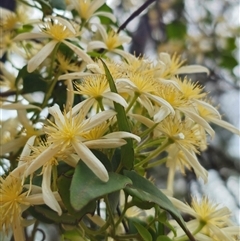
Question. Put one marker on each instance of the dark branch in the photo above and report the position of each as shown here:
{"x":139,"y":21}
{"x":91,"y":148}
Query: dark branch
{"x":135,"y":14}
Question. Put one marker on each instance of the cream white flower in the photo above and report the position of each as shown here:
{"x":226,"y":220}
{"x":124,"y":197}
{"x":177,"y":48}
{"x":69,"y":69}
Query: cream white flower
{"x":88,"y":9}
{"x":211,"y":115}
{"x":110,"y":41}
{"x":67,"y":131}
{"x":169,"y":66}
{"x":210,"y":218}
{"x":58,"y":30}
{"x":184,"y":137}
{"x":14,"y":200}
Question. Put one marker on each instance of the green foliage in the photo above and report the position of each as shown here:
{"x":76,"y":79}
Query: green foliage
{"x":86,"y":187}
{"x":127,"y":153}
{"x":176,"y":30}
{"x":143,"y":232}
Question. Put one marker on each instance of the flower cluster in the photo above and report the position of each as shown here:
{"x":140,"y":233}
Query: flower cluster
{"x":100,"y":125}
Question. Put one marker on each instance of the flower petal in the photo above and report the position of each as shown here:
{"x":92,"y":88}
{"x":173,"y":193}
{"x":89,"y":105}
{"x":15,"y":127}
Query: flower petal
{"x":96,"y":45}
{"x":26,"y":36}
{"x":48,"y":196}
{"x":42,"y":159}
{"x":57,"y":114}
{"x":192,"y":69}
{"x":225,"y":125}
{"x":105,"y":14}
{"x":105,"y":143}
{"x":97,"y":119}
{"x":91,"y":161}
{"x":41,"y":56}
{"x":83,"y":55}
{"x":116,"y":98}
{"x":122,"y":134}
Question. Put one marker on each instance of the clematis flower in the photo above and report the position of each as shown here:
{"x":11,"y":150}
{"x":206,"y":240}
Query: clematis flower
{"x":110,"y":41}
{"x":184,"y":142}
{"x":88,"y":9}
{"x":209,"y":218}
{"x":67,"y":132}
{"x":58,"y":30}
{"x":211,"y":115}
{"x":142,"y":88}
{"x":169,"y":66}
{"x":14,"y":200}
{"x":15,"y":138}
{"x":183,"y":101}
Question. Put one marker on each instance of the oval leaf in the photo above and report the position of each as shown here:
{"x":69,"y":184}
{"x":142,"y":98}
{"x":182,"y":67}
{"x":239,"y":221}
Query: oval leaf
{"x":143,"y":232}
{"x":146,"y":191}
{"x":86,"y":187}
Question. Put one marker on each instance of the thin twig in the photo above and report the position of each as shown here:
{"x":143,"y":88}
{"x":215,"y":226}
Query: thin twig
{"x":135,"y":14}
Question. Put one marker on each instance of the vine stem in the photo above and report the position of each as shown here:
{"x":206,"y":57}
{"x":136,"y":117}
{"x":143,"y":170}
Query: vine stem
{"x":135,"y":14}
{"x":155,"y":152}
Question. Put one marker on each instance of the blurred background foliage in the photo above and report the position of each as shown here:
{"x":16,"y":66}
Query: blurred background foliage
{"x":204,"y":32}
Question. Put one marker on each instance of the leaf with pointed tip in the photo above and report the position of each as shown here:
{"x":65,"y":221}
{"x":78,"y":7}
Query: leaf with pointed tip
{"x":86,"y":186}
{"x":64,"y":183}
{"x":147,"y":192}
{"x":143,"y":232}
{"x":127,"y":153}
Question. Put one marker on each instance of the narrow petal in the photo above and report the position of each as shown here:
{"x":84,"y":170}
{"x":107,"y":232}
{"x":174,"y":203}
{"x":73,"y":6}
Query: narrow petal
{"x":144,"y":120}
{"x":97,"y":119}
{"x":144,"y":101}
{"x":83,"y":106}
{"x":19,"y":106}
{"x":105,"y":143}
{"x":91,"y":161}
{"x":192,"y":69}
{"x":121,"y":52}
{"x":225,"y":125}
{"x":105,"y":14}
{"x":42,"y":159}
{"x":13,"y":145}
{"x":116,"y":98}
{"x":198,"y":119}
{"x":83,"y":55}
{"x":95,"y":5}
{"x":41,"y":56}
{"x":48,"y":196}
{"x":26,"y":36}
{"x":26,"y":150}
{"x":162,"y":113}
{"x":219,"y":233}
{"x":161,"y":101}
{"x":57,"y":114}
{"x":122,"y":134}
{"x":96,"y":45}
{"x":208,"y":107}
{"x":18,"y":231}
{"x":182,"y":206}
{"x":193,"y":162}
{"x":75,"y":75}
{"x":102,"y":31}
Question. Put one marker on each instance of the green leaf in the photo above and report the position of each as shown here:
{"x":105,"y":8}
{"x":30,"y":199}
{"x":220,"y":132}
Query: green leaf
{"x":163,"y":238}
{"x":47,"y":215}
{"x":104,"y":20}
{"x":176,"y":30}
{"x":228,"y":61}
{"x":147,"y":192}
{"x":32,"y":82}
{"x":64,"y":183}
{"x":127,"y":153}
{"x":59,"y":4}
{"x":143,"y":232}
{"x":86,"y":186}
